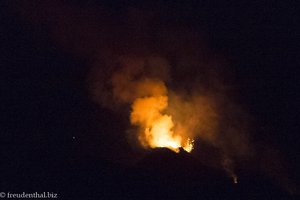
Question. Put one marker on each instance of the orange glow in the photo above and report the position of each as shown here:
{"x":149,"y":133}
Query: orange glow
{"x":156,"y":127}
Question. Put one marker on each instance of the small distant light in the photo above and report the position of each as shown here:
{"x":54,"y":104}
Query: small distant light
{"x":73,"y":137}
{"x":235,"y":180}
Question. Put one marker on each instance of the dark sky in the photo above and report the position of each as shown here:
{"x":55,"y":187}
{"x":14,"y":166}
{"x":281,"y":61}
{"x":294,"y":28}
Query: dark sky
{"x":45,"y":102}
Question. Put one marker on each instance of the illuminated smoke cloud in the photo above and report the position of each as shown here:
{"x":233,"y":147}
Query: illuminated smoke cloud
{"x":141,"y":63}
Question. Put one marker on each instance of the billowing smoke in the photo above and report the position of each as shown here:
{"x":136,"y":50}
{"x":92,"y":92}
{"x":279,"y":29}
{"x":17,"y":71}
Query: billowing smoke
{"x":178,"y":91}
{"x":174,"y":116}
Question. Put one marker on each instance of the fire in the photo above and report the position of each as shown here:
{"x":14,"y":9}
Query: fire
{"x":156,"y":127}
{"x":148,"y":96}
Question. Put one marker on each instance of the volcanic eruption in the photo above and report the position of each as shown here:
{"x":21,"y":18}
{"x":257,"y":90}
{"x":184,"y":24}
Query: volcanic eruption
{"x":148,"y":97}
{"x":161,"y":79}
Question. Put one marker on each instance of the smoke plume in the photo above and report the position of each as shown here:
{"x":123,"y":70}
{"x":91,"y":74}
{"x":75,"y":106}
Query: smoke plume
{"x":177,"y":90}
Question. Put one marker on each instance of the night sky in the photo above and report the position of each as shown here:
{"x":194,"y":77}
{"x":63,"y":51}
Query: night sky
{"x":54,"y":136}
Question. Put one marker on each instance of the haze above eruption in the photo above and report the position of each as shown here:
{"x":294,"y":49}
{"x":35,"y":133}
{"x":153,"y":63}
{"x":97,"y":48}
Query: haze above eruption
{"x":176,"y":92}
{"x":153,"y":68}
{"x":159,"y":75}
